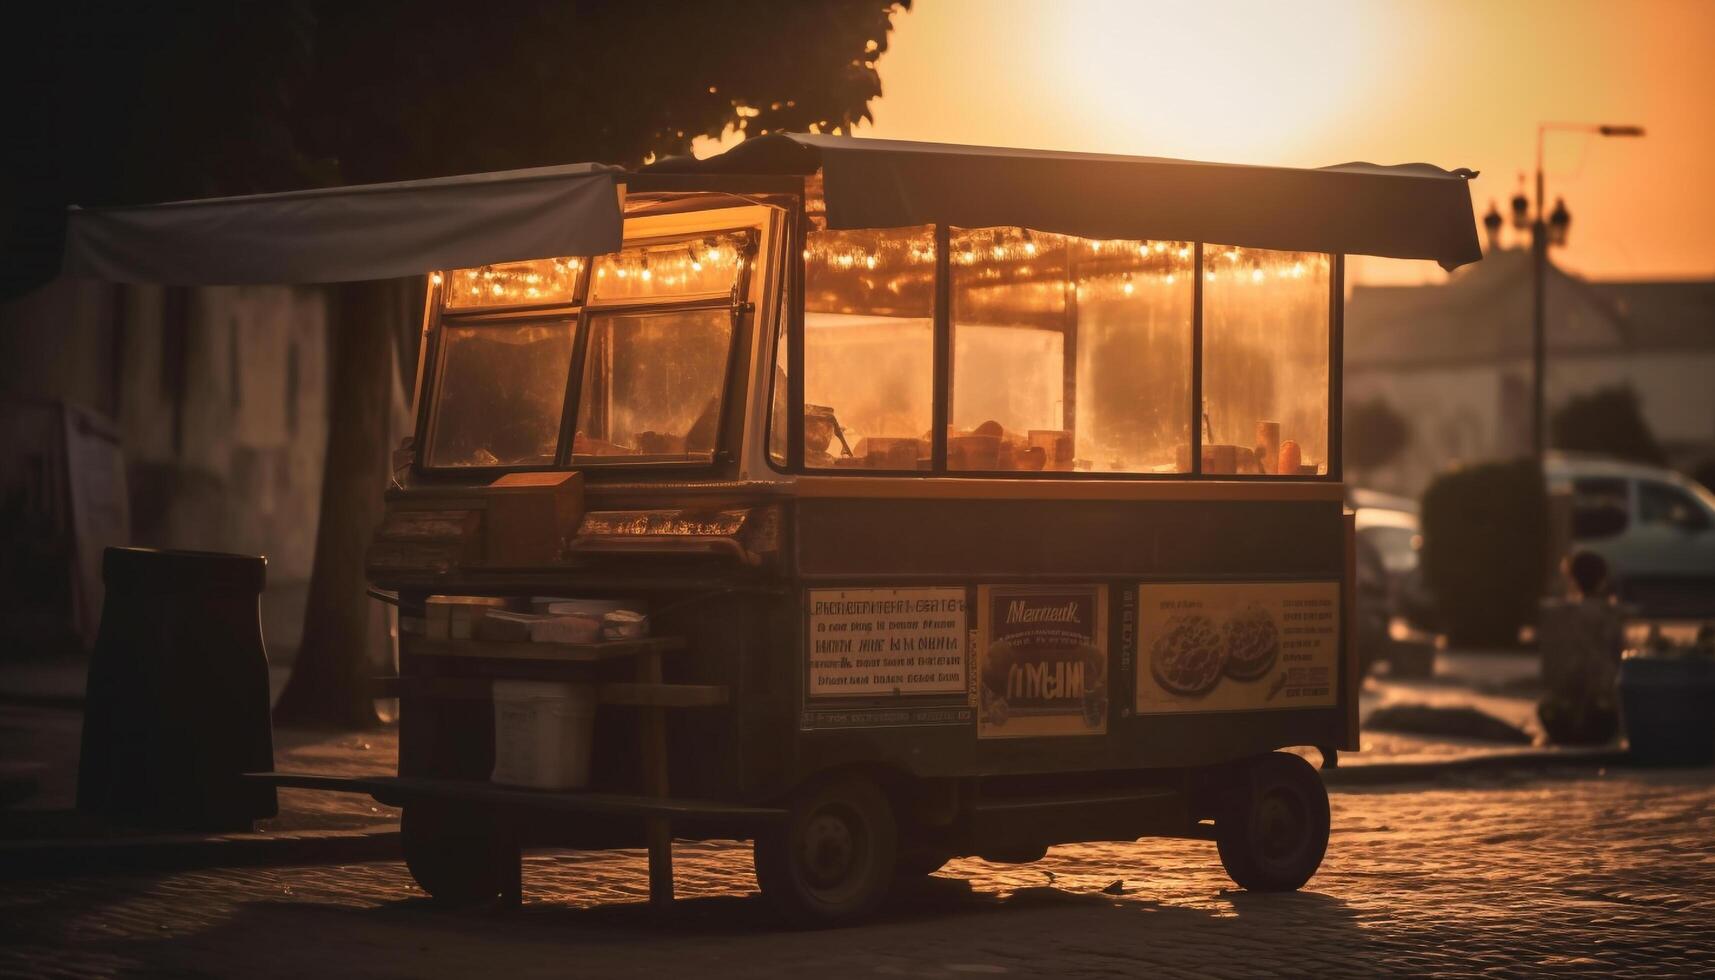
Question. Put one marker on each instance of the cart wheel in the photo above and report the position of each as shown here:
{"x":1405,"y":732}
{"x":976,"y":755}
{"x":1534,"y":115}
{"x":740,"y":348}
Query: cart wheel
{"x":832,"y":861}
{"x":459,"y":857}
{"x":1274,"y":828}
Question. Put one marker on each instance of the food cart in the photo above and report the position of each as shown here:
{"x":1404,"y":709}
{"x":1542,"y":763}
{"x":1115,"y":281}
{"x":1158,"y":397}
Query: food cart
{"x":902,"y":501}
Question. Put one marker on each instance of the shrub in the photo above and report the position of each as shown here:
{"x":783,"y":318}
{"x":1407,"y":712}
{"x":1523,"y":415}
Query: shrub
{"x":1374,"y":433}
{"x":1607,"y":421}
{"x":1485,"y":545}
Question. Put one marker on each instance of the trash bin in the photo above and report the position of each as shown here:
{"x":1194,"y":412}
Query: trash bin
{"x":1667,"y":700}
{"x":177,"y":700}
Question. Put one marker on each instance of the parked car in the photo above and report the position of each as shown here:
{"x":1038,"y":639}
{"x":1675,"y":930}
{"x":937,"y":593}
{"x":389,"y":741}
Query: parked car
{"x":1394,"y":606}
{"x":1655,"y":527}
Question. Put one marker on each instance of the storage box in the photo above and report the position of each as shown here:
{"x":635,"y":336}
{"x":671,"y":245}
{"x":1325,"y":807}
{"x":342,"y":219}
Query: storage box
{"x":454,"y":617}
{"x":542,"y":734}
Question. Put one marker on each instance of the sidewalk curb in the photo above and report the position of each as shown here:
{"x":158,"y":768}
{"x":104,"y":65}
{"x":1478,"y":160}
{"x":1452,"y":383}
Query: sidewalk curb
{"x":1388,"y":773}
{"x":191,"y":852}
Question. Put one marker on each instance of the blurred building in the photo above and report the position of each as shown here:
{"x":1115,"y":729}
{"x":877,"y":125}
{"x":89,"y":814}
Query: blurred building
{"x":1455,"y":360}
{"x":215,"y":400}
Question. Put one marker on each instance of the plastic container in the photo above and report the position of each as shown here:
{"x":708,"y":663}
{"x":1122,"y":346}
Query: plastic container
{"x":542,"y":734}
{"x":582,"y":607}
{"x":454,"y":617}
{"x":566,"y":629}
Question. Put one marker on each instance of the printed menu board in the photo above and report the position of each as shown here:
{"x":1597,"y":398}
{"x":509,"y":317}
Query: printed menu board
{"x":1044,"y":660}
{"x":1237,"y":646}
{"x":886,"y":642}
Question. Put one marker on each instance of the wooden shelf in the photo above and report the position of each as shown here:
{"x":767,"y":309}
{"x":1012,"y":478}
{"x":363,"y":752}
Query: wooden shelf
{"x":664,"y":695}
{"x":400,"y":790}
{"x":633,"y":694}
{"x":550,"y":652}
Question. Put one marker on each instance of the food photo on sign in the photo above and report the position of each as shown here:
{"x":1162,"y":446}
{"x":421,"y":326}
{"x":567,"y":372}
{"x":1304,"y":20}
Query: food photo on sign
{"x":1044,"y":661}
{"x":1237,"y":646}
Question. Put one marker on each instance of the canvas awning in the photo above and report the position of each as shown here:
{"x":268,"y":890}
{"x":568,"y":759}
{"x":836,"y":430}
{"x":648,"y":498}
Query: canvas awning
{"x":378,"y":231}
{"x":341,"y":234}
{"x":1413,"y":211}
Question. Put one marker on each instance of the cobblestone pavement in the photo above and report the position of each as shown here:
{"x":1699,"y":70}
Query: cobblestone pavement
{"x":1601,"y":873}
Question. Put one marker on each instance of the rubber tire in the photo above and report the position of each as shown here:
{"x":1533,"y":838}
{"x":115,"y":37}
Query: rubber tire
{"x":1272,"y":831}
{"x":460,"y":858}
{"x":784,"y":873}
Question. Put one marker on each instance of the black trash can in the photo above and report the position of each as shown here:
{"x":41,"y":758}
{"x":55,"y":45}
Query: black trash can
{"x":177,"y":701}
{"x":1668,"y":703}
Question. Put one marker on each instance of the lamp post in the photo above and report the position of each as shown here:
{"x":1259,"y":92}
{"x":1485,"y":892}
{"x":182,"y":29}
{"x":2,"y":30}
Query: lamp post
{"x":1546,"y":230}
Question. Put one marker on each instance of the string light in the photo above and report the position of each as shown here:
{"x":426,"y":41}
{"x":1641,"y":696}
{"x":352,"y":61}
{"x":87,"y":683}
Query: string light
{"x":533,"y":281}
{"x":845,"y":265}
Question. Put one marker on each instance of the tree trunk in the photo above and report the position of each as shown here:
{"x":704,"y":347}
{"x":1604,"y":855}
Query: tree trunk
{"x":331,"y":683}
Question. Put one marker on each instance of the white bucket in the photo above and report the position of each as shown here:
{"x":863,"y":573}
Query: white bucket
{"x":542,"y":734}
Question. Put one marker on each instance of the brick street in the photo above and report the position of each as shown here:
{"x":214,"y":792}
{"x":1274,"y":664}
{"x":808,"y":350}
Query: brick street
{"x":1599,"y":873}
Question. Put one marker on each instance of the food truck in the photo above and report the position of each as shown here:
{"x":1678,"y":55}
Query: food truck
{"x":879,"y":502}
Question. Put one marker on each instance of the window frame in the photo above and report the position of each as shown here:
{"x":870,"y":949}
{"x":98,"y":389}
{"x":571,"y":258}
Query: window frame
{"x":1685,"y":499}
{"x":708,"y":303}
{"x":941,"y":366}
{"x":579,"y":311}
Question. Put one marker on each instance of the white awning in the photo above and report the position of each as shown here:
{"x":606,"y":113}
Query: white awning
{"x":342,"y":234}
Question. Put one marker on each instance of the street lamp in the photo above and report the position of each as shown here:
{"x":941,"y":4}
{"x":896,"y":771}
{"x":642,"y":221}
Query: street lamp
{"x":1546,"y":229}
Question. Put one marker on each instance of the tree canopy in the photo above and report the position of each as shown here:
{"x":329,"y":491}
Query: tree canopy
{"x":1375,"y":433}
{"x":1608,"y":421}
{"x":125,"y":102}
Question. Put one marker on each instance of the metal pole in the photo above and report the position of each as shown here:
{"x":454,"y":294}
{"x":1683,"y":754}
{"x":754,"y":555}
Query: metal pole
{"x":1539,"y":331}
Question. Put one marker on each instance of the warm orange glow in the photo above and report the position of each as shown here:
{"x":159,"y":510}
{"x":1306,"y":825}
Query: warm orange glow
{"x":1314,"y":82}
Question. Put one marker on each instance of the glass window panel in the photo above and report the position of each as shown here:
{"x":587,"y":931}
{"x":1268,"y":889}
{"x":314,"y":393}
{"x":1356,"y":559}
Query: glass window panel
{"x":529,"y":283}
{"x":502,"y":392}
{"x":668,"y":270}
{"x":1265,"y":362}
{"x":1661,"y":503}
{"x":869,"y":348}
{"x":652,"y":386}
{"x":1070,"y":353}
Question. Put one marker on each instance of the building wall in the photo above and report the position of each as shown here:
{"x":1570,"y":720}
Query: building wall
{"x":1479,"y":412}
{"x":219,"y":394}
{"x":1454,"y":413}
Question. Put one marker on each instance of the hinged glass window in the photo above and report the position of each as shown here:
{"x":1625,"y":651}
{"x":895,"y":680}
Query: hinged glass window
{"x":501,"y":394}
{"x":652,"y":386}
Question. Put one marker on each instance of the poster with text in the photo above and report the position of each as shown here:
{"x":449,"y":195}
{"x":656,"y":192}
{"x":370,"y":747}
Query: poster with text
{"x":866,"y":642}
{"x":1044,"y":660}
{"x":1237,"y":646}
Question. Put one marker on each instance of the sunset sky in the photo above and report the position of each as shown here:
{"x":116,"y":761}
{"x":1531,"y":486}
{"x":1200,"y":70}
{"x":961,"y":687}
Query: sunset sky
{"x":1458,"y":83}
